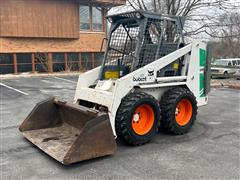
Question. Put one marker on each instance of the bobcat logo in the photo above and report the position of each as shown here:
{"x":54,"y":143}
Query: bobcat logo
{"x":150,"y":72}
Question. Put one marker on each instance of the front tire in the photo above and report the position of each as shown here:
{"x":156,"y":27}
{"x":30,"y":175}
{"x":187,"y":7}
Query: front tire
{"x":137,"y":118}
{"x":178,"y":110}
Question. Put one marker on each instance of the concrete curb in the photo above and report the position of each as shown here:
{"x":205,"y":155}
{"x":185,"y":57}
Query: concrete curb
{"x":225,"y":86}
{"x":27,"y":75}
{"x":233,"y":86}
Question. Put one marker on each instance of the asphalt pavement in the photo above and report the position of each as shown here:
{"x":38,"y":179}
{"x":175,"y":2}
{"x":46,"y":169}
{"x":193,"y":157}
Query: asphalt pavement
{"x":209,"y":151}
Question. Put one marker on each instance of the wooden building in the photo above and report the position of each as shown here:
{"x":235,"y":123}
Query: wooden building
{"x":52,"y":35}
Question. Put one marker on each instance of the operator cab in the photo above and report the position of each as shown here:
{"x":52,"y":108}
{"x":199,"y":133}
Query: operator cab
{"x":138,"y":38}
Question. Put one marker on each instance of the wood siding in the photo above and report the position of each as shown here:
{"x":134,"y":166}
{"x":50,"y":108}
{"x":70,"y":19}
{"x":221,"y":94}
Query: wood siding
{"x":30,"y":26}
{"x":39,"y":18}
{"x":105,"y":3}
{"x":112,"y":2}
{"x":88,"y":42}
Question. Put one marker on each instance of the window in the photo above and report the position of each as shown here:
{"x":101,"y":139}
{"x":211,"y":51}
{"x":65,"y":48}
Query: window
{"x":97,"y":19}
{"x":98,"y":57}
{"x":84,"y":17}
{"x":234,"y":62}
{"x":86,"y":61}
{"x":238,"y":62}
{"x":24,"y":63}
{"x":58,"y":62}
{"x":221,"y":63}
{"x":73,"y":62}
{"x":91,"y":18}
{"x":6,"y":64}
{"x":41,"y":62}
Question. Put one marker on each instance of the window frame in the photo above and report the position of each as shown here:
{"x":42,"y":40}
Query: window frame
{"x":91,"y":19}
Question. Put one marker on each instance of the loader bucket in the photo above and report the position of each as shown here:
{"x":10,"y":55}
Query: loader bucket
{"x":68,"y":132}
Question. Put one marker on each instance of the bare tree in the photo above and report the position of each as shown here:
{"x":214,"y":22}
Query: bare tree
{"x":200,"y":14}
{"x":227,"y":32}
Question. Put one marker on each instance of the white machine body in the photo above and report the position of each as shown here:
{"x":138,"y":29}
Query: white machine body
{"x":109,"y":93}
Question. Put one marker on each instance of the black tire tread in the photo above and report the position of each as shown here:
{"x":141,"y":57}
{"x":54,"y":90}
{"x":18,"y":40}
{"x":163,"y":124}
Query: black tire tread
{"x":120,"y":123}
{"x":167,"y":104}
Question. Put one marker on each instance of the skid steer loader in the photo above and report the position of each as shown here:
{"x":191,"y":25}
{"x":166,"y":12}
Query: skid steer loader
{"x":149,"y":78}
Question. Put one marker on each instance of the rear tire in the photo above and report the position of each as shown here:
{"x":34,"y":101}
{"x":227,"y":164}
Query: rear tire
{"x":137,"y":118}
{"x":178,"y":110}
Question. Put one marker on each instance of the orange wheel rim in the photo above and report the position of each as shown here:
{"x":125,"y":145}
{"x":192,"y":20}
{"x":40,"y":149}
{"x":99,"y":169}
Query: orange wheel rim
{"x":143,"y":119}
{"x":183,"y":112}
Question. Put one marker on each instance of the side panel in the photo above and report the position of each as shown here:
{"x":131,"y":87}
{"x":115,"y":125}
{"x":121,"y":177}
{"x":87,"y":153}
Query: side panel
{"x":196,"y":72}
